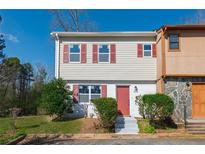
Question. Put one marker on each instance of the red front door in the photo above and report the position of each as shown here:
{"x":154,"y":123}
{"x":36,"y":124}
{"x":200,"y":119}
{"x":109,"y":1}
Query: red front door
{"x":123,"y":100}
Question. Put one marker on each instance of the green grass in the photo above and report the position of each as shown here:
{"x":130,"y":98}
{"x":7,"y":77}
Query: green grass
{"x":167,"y":125}
{"x":39,"y":125}
{"x":5,"y":138}
{"x":145,"y":127}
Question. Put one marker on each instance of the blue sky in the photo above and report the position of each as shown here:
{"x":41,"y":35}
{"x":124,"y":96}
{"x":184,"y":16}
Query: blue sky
{"x":27,"y":32}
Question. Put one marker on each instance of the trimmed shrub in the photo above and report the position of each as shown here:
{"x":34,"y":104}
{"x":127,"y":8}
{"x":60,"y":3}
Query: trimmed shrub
{"x":156,"y":106}
{"x":107,"y":110}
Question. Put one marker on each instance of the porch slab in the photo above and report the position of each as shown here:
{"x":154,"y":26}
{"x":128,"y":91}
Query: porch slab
{"x":126,"y":125}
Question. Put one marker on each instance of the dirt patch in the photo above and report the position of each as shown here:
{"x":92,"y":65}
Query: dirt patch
{"x":171,"y":130}
{"x":91,"y":125}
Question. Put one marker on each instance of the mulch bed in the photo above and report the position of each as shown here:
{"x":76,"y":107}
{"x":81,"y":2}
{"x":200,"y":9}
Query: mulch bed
{"x":91,"y":126}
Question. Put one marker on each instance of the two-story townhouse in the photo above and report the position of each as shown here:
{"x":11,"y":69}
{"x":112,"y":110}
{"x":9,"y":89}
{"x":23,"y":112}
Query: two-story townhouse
{"x":181,"y":68}
{"x":120,"y":65}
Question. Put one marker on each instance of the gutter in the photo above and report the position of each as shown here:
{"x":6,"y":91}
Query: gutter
{"x":106,"y":34}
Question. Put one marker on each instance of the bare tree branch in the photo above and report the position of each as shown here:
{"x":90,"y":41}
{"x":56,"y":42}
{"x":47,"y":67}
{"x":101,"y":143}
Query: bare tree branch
{"x":196,"y":18}
{"x":60,"y":20}
{"x":73,"y":20}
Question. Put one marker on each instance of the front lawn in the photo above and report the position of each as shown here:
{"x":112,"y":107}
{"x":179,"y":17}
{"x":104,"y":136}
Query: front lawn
{"x":38,"y":125}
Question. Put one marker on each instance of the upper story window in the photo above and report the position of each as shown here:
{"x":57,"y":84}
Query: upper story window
{"x":104,"y":53}
{"x":174,"y":41}
{"x":147,"y":50}
{"x":75,"y":53}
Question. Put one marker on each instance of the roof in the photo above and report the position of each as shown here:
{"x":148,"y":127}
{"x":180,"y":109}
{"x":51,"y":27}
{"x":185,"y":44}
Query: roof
{"x":129,"y":33}
{"x":183,"y":27}
{"x":103,"y":34}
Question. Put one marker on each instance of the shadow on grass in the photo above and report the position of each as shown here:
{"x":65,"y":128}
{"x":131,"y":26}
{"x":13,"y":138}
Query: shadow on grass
{"x":30,"y":126}
{"x":24,"y":127}
{"x":64,"y":119}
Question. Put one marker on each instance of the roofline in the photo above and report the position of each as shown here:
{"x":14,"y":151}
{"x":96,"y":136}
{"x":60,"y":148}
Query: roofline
{"x":184,"y":75}
{"x":182,"y":27}
{"x":103,"y":34}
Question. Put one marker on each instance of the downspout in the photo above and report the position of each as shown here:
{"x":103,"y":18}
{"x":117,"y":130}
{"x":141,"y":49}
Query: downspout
{"x":57,"y":73}
{"x":163,"y":53}
{"x":163,"y":60}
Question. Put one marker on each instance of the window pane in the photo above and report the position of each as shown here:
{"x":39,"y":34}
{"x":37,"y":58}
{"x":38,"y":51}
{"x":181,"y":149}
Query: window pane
{"x":95,"y":89}
{"x":174,"y":45}
{"x":147,"y":47}
{"x":174,"y":38}
{"x":83,"y":98}
{"x":103,"y":49}
{"x":75,"y":48}
{"x":75,"y":57}
{"x":95,"y":96}
{"x":83,"y":89}
{"x":147,"y":53}
{"x":103,"y":57}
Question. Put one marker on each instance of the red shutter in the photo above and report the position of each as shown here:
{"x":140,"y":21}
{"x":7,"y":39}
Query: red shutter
{"x":139,"y":50}
{"x":65,"y":54}
{"x":75,"y":93}
{"x":112,"y":53}
{"x":83,"y":53}
{"x":95,"y":53}
{"x":154,"y":50}
{"x":104,"y":90}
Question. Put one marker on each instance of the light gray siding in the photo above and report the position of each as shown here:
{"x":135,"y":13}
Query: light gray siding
{"x":128,"y":66}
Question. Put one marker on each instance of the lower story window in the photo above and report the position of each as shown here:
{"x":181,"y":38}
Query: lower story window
{"x":95,"y":92}
{"x":83,"y":94}
{"x":88,"y":92}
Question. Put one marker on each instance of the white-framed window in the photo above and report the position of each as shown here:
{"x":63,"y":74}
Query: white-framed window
{"x":88,"y":92}
{"x":174,"y":41}
{"x":104,"y":53}
{"x":95,"y":91}
{"x":83,"y":94}
{"x":147,"y":50}
{"x":74,"y":53}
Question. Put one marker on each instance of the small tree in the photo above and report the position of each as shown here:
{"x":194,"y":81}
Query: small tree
{"x":56,"y":99}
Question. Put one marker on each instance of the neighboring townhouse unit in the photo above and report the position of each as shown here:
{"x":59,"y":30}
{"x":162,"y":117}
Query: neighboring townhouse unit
{"x":121,"y":65}
{"x":180,"y":68}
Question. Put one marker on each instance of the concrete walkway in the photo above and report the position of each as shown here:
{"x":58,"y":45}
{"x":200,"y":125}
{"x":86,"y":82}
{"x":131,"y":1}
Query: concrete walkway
{"x":113,"y":138}
{"x":126,"y":125}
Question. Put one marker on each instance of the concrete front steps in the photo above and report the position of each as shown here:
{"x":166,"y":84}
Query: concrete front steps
{"x":195,"y":126}
{"x":126,"y":125}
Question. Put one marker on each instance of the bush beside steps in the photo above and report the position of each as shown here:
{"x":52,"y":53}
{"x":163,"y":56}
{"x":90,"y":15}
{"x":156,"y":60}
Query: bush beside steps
{"x":107,"y":111}
{"x":156,"y":110}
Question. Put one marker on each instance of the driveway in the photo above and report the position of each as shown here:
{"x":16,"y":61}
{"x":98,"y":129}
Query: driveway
{"x":142,"y":141}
